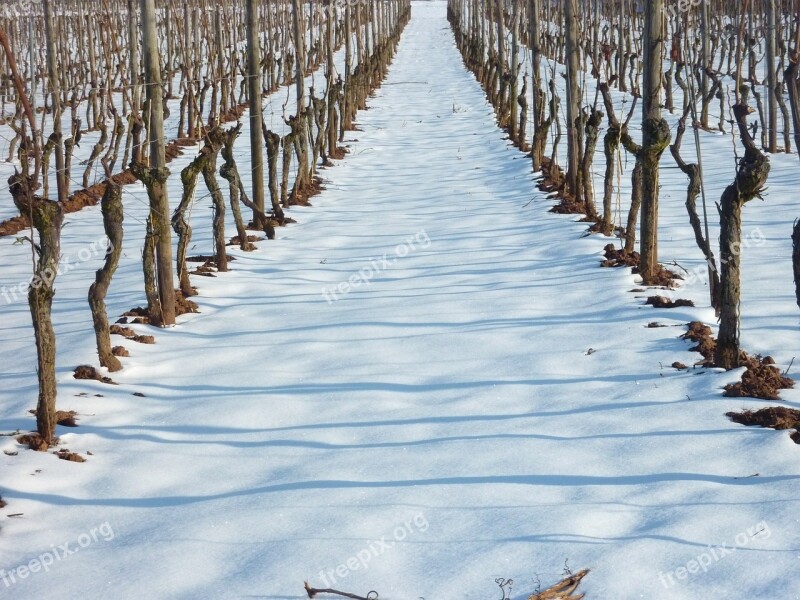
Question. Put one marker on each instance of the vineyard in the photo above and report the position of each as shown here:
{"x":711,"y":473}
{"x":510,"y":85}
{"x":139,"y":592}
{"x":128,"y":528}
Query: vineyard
{"x":399,"y":299}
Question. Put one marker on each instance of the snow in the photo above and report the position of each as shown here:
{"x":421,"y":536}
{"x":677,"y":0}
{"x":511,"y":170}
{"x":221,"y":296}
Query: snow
{"x":489,"y":404}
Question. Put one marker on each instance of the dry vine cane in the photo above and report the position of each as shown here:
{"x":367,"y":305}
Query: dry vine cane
{"x":312,"y":593}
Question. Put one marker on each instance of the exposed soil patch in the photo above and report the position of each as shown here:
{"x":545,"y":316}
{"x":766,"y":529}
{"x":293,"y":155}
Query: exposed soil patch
{"x":773,"y":417}
{"x":303,"y":196}
{"x":93,"y":194}
{"x":552,"y":180}
{"x":175,"y":148}
{"x":65,"y":418}
{"x":663,"y":277}
{"x":78,"y":200}
{"x":654,"y":325}
{"x":183,"y":305}
{"x":130,"y":334}
{"x":597,"y":227}
{"x":65,"y":454}
{"x":236,"y":241}
{"x":234,"y":114}
{"x":209,"y":266}
{"x":762,"y":379}
{"x":34,"y":441}
{"x":203,"y":258}
{"x":679,"y":366}
{"x":618,"y":257}
{"x":272,"y":223}
{"x":700,"y":333}
{"x":205,"y":270}
{"x":120,"y":351}
{"x":125,"y":332}
{"x":662,"y":302}
{"x":338,"y":153}
{"x":89,"y":372}
{"x":568,"y":206}
{"x":13,"y":225}
{"x":137,"y":315}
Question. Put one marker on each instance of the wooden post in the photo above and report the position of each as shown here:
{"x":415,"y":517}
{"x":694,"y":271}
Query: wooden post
{"x":55,"y":95}
{"x":772,"y":84}
{"x":133,"y":49}
{"x":159,"y":202}
{"x":706,"y":63}
{"x":32,"y":52}
{"x":537,"y":147}
{"x":573,"y":101}
{"x":514,"y":92}
{"x":655,"y":138}
{"x":348,"y":59}
{"x":256,"y":117}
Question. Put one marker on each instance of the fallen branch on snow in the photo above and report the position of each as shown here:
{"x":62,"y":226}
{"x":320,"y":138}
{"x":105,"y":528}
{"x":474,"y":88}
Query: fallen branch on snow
{"x":564,"y":589}
{"x":312,"y":593}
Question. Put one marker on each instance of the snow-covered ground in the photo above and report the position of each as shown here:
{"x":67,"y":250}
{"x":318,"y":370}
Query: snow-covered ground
{"x":425,"y":384}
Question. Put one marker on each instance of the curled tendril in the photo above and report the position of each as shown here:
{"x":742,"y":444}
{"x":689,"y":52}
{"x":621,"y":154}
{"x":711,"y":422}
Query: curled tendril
{"x":503,"y":583}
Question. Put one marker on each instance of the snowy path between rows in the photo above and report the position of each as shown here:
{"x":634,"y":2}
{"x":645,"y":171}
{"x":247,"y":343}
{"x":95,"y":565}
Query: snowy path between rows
{"x":491,"y":404}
